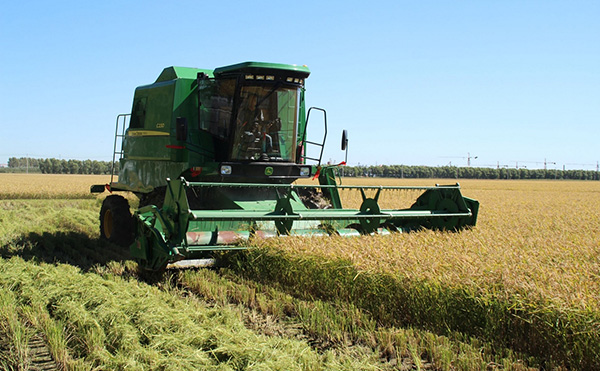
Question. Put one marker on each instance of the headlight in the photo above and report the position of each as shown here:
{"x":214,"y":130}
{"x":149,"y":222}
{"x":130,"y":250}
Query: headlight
{"x":304,"y":171}
{"x":226,"y":170}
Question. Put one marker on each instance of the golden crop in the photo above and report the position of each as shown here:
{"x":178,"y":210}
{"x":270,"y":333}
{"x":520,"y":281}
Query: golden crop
{"x":533,"y":239}
{"x":37,"y":186}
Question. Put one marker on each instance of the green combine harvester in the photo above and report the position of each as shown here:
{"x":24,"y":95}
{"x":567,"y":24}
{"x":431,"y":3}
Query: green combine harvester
{"x":214,"y":156}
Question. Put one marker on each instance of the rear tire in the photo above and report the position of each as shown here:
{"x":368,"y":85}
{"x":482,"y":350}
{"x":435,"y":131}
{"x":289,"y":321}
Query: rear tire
{"x":116,"y":222}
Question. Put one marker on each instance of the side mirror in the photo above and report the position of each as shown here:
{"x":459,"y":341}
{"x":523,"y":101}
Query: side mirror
{"x":344,"y":139}
{"x":181,"y":128}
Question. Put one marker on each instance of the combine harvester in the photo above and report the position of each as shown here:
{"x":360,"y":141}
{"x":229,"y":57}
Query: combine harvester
{"x":213,"y":156}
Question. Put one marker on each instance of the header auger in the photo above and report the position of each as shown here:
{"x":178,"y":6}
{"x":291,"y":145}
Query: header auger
{"x":214,"y":156}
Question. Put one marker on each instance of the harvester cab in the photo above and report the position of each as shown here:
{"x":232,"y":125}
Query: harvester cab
{"x":214,"y":157}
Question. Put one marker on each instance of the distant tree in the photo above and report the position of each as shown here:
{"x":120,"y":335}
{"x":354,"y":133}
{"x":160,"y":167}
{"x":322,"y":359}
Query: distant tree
{"x":64,"y":167}
{"x":12,"y":162}
{"x":55,"y":166}
{"x":87,"y":167}
{"x":74,"y":166}
{"x":45,"y":166}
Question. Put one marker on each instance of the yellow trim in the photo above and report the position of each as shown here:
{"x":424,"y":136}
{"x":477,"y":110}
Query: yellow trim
{"x":145,"y":133}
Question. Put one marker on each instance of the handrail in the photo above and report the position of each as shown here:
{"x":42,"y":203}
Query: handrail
{"x":305,"y":141}
{"x":120,"y":118}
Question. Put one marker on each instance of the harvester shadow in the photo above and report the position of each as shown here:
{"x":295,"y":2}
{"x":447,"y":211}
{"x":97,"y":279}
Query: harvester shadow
{"x":72,"y":248}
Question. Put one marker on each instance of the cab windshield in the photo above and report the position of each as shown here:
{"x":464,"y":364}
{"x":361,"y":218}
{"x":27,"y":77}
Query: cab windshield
{"x":266,"y":124}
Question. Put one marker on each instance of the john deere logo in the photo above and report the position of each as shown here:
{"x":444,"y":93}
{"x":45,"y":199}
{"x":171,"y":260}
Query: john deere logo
{"x":268,"y":171}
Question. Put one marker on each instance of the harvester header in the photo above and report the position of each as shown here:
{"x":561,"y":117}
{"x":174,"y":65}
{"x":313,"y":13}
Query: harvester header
{"x":214,"y":156}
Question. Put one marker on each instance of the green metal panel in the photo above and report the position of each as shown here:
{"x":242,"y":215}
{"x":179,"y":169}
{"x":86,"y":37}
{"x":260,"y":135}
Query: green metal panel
{"x":143,"y":176}
{"x":172,"y":73}
{"x":150,"y":140}
{"x":327,"y":178}
{"x":151,"y":152}
{"x":301,"y":71}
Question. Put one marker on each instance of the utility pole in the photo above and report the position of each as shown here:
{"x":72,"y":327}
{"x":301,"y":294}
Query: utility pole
{"x":546,"y":163}
{"x":469,"y":159}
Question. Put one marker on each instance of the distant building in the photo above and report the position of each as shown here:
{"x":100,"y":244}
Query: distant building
{"x":3,"y":165}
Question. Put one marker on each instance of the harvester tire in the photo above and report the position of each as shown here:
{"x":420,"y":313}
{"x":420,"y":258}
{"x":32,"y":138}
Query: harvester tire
{"x":116,"y":222}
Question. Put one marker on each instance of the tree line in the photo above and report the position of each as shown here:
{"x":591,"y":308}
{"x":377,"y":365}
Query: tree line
{"x":453,"y":172}
{"x":59,"y":166}
{"x":56,"y":166}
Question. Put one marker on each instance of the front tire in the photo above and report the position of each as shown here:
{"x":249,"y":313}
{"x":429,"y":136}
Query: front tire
{"x":116,"y":222}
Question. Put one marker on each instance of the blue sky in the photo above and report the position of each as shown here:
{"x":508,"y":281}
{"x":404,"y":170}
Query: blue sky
{"x":414,"y":82}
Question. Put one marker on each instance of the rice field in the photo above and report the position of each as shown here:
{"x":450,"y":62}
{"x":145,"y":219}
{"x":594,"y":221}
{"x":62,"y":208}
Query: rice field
{"x":48,"y":186}
{"x":526,"y":277}
{"x":521,"y":289}
{"x":541,"y":238}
